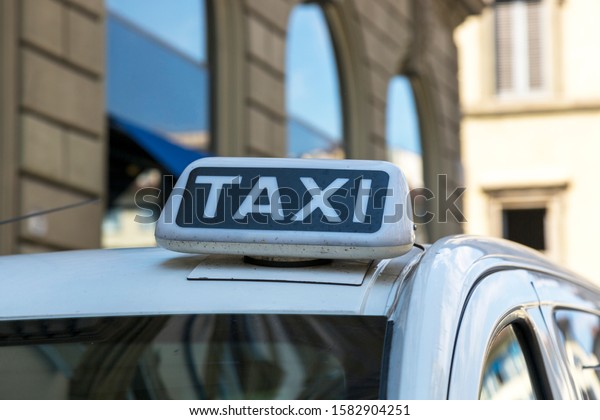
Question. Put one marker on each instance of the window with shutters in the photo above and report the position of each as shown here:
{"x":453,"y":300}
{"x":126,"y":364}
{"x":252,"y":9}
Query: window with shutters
{"x":520,"y":33}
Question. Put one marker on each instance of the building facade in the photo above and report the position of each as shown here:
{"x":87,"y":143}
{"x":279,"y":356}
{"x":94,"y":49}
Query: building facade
{"x":531,"y":129}
{"x":53,"y":116}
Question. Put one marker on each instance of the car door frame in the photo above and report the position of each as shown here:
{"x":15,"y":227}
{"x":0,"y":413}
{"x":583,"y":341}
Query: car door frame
{"x":564,"y":293}
{"x":500,"y":299}
{"x":430,"y":312}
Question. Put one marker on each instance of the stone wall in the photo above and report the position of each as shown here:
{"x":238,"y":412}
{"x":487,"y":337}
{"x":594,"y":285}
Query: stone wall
{"x":53,"y":136}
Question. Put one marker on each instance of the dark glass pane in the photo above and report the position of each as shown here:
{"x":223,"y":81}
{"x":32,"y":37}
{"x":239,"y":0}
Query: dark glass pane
{"x":153,"y":86}
{"x":306,"y":141}
{"x":525,"y":226}
{"x":157,"y":84}
{"x":178,"y":24}
{"x":312,"y":86}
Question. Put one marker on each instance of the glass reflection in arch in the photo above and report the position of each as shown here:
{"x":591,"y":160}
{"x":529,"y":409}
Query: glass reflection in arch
{"x":313,"y":105}
{"x":404,"y":142}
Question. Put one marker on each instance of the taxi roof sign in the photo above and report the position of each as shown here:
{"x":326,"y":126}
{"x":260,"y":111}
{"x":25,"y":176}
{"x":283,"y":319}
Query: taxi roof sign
{"x":300,"y":208}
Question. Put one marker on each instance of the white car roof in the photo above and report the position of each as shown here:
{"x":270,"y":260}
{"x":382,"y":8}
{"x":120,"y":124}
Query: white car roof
{"x":155,"y":281}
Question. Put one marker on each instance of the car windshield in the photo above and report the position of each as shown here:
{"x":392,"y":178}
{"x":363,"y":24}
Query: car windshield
{"x":193,"y":357}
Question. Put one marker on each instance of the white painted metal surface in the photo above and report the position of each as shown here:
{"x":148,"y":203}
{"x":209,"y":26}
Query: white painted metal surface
{"x":445,"y":303}
{"x":219,"y":267}
{"x":430,"y":305}
{"x":154,"y":281}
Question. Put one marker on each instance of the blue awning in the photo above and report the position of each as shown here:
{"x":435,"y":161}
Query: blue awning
{"x":172,"y":157}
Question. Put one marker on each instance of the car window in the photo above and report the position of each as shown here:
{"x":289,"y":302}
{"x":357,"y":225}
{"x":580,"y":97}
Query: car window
{"x":580,"y":334}
{"x":193,"y":357}
{"x":507,"y":373}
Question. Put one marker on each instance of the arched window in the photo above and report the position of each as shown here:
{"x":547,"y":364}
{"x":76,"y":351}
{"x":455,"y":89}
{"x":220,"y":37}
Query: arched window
{"x":402,"y":130}
{"x":157,"y":103}
{"x":313,"y":105}
{"x":404,"y":139}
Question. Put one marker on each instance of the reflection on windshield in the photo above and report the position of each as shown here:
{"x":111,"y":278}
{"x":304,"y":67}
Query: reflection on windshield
{"x":193,"y":357}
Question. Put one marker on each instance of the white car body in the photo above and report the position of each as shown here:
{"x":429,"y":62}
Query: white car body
{"x":446,"y":302}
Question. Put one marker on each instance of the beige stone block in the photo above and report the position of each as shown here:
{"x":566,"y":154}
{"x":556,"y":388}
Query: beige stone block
{"x":449,"y":143}
{"x":267,"y":135}
{"x":379,"y":86}
{"x":445,"y":77}
{"x":42,"y":147}
{"x":442,"y":41}
{"x":43,"y":24}
{"x":375,"y":12}
{"x":276,"y":52}
{"x":365,"y":10}
{"x":378,"y":119}
{"x":278,"y":140}
{"x":258,"y":37}
{"x":259,"y":131}
{"x":379,"y":12}
{"x":405,"y":7}
{"x":389,"y":60}
{"x":399,"y":32}
{"x":25,"y":248}
{"x":250,"y":152}
{"x":399,"y":9}
{"x":448,"y":104}
{"x":378,"y":149}
{"x":86,"y":160}
{"x":77,"y":227}
{"x":451,"y":76}
{"x":380,"y":53}
{"x":59,"y":92}
{"x":85,"y":41}
{"x":276,"y":12}
{"x":265,"y":44}
{"x":266,"y":89}
{"x":95,"y":7}
{"x":371,"y":42}
{"x":258,"y":83}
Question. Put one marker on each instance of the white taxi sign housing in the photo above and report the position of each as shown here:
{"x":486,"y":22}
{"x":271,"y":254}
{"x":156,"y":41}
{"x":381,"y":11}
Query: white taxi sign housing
{"x":301,"y":208}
